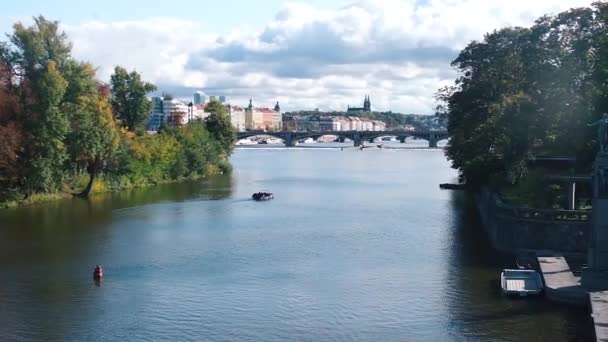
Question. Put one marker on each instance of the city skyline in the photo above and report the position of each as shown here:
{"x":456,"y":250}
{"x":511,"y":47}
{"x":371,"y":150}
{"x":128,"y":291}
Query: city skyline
{"x":304,"y":55}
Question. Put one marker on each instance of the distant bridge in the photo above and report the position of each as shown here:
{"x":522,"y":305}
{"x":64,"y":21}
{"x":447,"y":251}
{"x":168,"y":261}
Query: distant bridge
{"x":358,"y":137}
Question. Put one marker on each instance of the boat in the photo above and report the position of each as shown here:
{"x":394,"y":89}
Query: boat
{"x":389,"y":139}
{"x":98,"y":272}
{"x":246,"y":142}
{"x":448,"y":186}
{"x":521,"y":282}
{"x":307,"y":141}
{"x":262,"y":196}
{"x":273,"y":141}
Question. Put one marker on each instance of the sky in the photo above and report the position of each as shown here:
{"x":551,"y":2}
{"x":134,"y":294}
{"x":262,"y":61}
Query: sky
{"x":324,"y":54}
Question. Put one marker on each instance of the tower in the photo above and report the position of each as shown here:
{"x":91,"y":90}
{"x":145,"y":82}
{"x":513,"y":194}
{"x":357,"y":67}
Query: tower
{"x":367,"y":105}
{"x":199,"y":98}
{"x":277,"y":108}
{"x":250,"y":107}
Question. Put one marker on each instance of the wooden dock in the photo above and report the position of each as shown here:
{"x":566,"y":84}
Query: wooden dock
{"x":599,"y":313}
{"x":560,"y":283}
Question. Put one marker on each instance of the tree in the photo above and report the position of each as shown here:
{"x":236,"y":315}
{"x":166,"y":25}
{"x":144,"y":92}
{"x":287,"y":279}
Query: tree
{"x":219,"y":125}
{"x":95,"y":138}
{"x":48,"y":135}
{"x":35,"y":58}
{"x":129,"y":98}
{"x":525,"y":92}
{"x":11,"y":131}
{"x":176,"y":118}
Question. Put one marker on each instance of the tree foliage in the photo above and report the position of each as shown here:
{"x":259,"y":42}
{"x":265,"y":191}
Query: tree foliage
{"x":129,"y":97}
{"x":59,"y":123}
{"x":219,"y":125}
{"x":525,"y":92}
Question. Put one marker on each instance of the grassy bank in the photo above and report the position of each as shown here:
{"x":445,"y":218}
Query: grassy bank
{"x":105,"y":184}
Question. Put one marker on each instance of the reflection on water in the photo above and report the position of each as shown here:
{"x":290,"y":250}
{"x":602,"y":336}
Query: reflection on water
{"x":357,"y":245}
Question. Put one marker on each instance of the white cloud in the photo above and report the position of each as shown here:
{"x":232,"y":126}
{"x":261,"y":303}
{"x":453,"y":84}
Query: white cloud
{"x":397,"y":51}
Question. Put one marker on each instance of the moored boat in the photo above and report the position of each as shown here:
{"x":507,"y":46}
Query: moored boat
{"x":449,"y":186}
{"x":262,"y":196}
{"x":521,"y":282}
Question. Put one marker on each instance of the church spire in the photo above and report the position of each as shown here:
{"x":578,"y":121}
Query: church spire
{"x":277,"y":108}
{"x":250,"y":107}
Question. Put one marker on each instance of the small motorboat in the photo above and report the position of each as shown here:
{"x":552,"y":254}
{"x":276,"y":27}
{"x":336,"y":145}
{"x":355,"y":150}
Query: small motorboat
{"x":521,"y":282}
{"x":262,"y":196}
{"x":449,"y":186}
{"x":98,"y":272}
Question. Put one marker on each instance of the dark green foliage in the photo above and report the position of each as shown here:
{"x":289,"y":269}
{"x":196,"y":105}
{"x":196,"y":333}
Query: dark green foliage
{"x":525,"y":92}
{"x":219,"y":125}
{"x":176,"y":153}
{"x":129,"y":98}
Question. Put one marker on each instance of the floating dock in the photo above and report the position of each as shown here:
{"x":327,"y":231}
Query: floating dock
{"x":560,"y":283}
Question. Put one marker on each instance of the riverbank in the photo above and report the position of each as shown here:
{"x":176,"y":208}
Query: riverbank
{"x":103,"y":186}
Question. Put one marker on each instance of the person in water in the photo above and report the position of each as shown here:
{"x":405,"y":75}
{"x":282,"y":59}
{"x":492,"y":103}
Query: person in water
{"x":98,"y":272}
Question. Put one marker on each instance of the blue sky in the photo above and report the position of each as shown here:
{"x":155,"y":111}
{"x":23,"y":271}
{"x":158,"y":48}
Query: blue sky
{"x":324,"y":54}
{"x":218,"y":16}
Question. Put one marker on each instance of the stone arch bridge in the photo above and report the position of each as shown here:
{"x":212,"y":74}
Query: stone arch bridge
{"x":358,"y":137}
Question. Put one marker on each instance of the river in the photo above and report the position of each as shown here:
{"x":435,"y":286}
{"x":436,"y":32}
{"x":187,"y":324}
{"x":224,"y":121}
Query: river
{"x":356,"y":246}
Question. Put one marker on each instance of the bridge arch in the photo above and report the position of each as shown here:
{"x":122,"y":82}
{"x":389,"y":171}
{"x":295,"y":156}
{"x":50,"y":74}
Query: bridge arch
{"x":290,"y":138}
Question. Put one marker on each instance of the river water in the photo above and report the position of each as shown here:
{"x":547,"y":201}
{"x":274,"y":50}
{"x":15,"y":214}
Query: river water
{"x":356,"y":246}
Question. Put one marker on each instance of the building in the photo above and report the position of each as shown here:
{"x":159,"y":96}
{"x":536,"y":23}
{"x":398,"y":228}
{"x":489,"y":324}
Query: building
{"x":301,"y":123}
{"x":199,"y":98}
{"x":367,"y":106}
{"x":222,"y":99}
{"x":379,"y":125}
{"x":344,"y":123}
{"x":262,"y":118}
{"x":269,"y":119}
{"x":326,"y":123}
{"x":238,"y":117}
{"x":355,"y":123}
{"x":157,"y":115}
{"x":168,"y":110}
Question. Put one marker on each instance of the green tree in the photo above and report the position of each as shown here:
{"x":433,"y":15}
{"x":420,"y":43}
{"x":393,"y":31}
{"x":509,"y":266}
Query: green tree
{"x":219,"y":125}
{"x":525,"y":92}
{"x":48,"y":138}
{"x":95,"y":138}
{"x":129,"y":97}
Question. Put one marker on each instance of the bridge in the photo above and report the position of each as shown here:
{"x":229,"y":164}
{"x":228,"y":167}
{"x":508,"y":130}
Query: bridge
{"x":358,"y":137}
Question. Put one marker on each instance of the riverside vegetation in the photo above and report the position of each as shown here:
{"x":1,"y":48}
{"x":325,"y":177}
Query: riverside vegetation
{"x":64,"y":132}
{"x":528,"y":92}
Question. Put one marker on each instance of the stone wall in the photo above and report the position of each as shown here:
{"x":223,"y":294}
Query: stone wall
{"x":514,"y":228}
